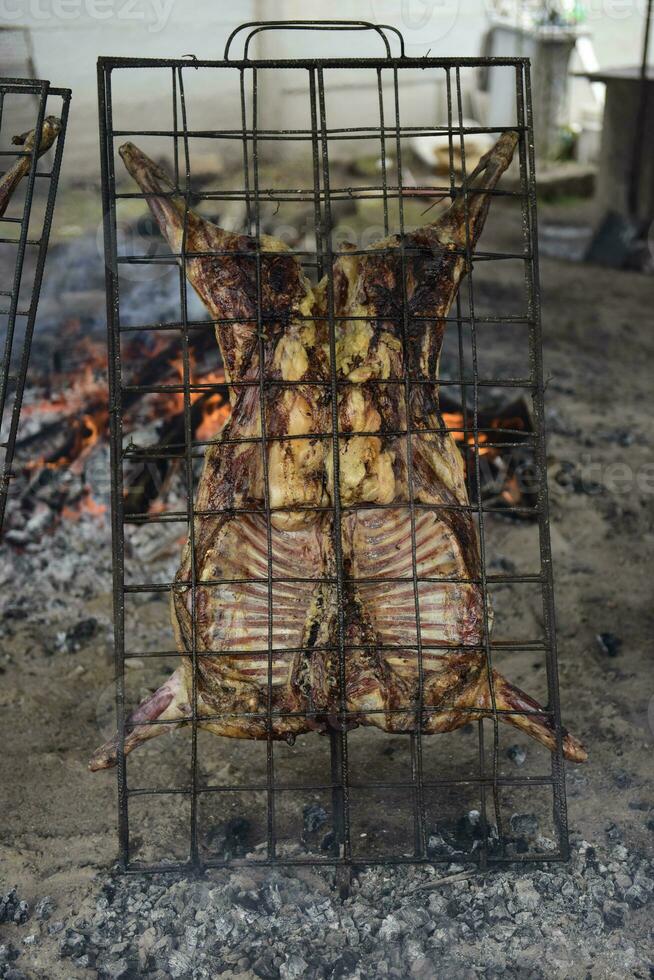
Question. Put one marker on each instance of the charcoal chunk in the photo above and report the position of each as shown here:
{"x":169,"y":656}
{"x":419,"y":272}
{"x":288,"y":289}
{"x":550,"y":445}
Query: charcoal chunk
{"x":314,"y":817}
{"x":609,"y":644}
{"x":80,"y":634}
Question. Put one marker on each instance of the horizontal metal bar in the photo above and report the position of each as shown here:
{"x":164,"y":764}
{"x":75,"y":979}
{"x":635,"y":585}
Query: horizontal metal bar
{"x":162,"y":389}
{"x":109,"y":64}
{"x":40,"y":173}
{"x":209,"y":386}
{"x":382,"y":434}
{"x":498,"y":318}
{"x":15,"y":241}
{"x":345,"y":715}
{"x":154,"y":453}
{"x":496,"y":645}
{"x":469,"y":509}
{"x":308,"y":134}
{"x":24,"y":86}
{"x":15,"y":153}
{"x":515,"y":781}
{"x":328,"y":508}
{"x":316,"y":860}
{"x":350,"y":580}
{"x":173,"y":517}
{"x":172,"y":257}
{"x":299,"y":197}
{"x":351,"y":191}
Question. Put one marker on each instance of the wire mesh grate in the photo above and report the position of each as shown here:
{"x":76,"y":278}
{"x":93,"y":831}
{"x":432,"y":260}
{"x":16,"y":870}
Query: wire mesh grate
{"x":393,"y":767}
{"x":27,"y":198}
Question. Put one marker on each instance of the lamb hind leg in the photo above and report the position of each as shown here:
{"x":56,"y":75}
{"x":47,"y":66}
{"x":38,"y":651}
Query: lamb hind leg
{"x":236,"y":715}
{"x":508,"y":699}
{"x":169,"y":704}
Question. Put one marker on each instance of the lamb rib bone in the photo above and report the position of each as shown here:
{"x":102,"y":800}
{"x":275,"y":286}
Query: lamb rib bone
{"x":414,"y":655}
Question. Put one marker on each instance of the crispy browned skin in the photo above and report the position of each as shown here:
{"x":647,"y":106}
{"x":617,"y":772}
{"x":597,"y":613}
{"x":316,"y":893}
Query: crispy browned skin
{"x":282,"y":675}
{"x":20,"y":168}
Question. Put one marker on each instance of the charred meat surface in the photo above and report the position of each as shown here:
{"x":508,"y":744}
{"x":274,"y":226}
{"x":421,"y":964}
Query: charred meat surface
{"x":412,"y":616}
{"x":12,"y":178}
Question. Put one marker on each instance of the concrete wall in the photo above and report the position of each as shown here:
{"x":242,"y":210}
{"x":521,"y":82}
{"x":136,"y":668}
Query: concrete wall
{"x":68,"y":35}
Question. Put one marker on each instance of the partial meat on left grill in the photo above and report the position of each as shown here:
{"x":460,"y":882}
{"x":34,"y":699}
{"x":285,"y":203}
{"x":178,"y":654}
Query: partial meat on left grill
{"x":12,"y":177}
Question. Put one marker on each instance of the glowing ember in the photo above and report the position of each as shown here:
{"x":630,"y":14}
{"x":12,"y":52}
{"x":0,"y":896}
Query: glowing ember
{"x":454,"y":420}
{"x":215,"y":408}
{"x":215,"y":414}
{"x":85,"y":505}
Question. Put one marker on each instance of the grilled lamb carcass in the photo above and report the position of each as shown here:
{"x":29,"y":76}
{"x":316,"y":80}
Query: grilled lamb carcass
{"x":411,"y":619}
{"x":12,"y":178}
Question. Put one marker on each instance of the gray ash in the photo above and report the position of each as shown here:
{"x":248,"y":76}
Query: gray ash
{"x":549,"y":921}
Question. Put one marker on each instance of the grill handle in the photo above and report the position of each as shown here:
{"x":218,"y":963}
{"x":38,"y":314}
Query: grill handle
{"x":258,"y":26}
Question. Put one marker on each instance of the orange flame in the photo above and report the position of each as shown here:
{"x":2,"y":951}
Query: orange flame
{"x":85,"y":505}
{"x":456,"y":425}
{"x":215,"y":413}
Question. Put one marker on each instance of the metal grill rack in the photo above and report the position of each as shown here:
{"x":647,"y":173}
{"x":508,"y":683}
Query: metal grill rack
{"x":432,"y":769}
{"x":24,"y":236}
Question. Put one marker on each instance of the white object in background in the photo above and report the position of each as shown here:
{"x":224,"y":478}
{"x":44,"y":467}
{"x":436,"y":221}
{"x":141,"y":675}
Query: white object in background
{"x":549,"y":49}
{"x":589,"y":63}
{"x":434,"y":151}
{"x":590,"y":135}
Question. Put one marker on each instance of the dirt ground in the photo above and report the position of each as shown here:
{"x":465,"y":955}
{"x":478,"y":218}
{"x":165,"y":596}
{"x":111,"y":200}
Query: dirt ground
{"x":58,"y":821}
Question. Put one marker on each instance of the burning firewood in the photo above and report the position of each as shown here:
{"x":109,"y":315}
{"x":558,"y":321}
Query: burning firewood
{"x":307,"y":549}
{"x":73,"y":423}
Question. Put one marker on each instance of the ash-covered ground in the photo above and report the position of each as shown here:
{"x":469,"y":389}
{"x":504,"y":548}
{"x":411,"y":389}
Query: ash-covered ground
{"x":66,"y":913}
{"x":578,"y":921}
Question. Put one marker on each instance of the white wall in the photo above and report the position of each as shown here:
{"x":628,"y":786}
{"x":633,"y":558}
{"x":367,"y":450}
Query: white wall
{"x":68,"y":35}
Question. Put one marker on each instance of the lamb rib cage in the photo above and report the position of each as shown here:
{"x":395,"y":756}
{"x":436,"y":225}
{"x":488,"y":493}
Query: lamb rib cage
{"x":16,"y":309}
{"x":389,"y":135}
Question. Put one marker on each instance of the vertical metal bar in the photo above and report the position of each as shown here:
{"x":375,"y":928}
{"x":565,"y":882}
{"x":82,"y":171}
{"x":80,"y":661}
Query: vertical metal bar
{"x":22,"y":239}
{"x":480,"y":509}
{"x":532,"y":280}
{"x":483,"y":811}
{"x":175,"y":130}
{"x":382,"y":146}
{"x":344,"y":797}
{"x":6,"y":474}
{"x":21,"y":376}
{"x":335,"y":738}
{"x":246,"y":162}
{"x":463,"y":389}
{"x":116,"y":439}
{"x":338,"y":809}
{"x":465,"y":450}
{"x":190,"y":482}
{"x":261,"y":328}
{"x":416,"y":748}
{"x":315,"y":153}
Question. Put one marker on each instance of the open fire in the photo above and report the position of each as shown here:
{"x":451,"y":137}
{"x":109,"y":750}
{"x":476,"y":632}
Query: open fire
{"x":66,"y":419}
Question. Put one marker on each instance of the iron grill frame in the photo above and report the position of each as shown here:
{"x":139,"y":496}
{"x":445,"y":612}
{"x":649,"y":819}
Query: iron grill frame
{"x":321,"y":195}
{"x":42,"y":91}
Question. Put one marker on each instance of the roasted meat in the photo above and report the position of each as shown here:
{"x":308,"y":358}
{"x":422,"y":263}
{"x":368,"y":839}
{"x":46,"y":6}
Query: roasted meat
{"x":397,"y":640}
{"x":13,"y":176}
